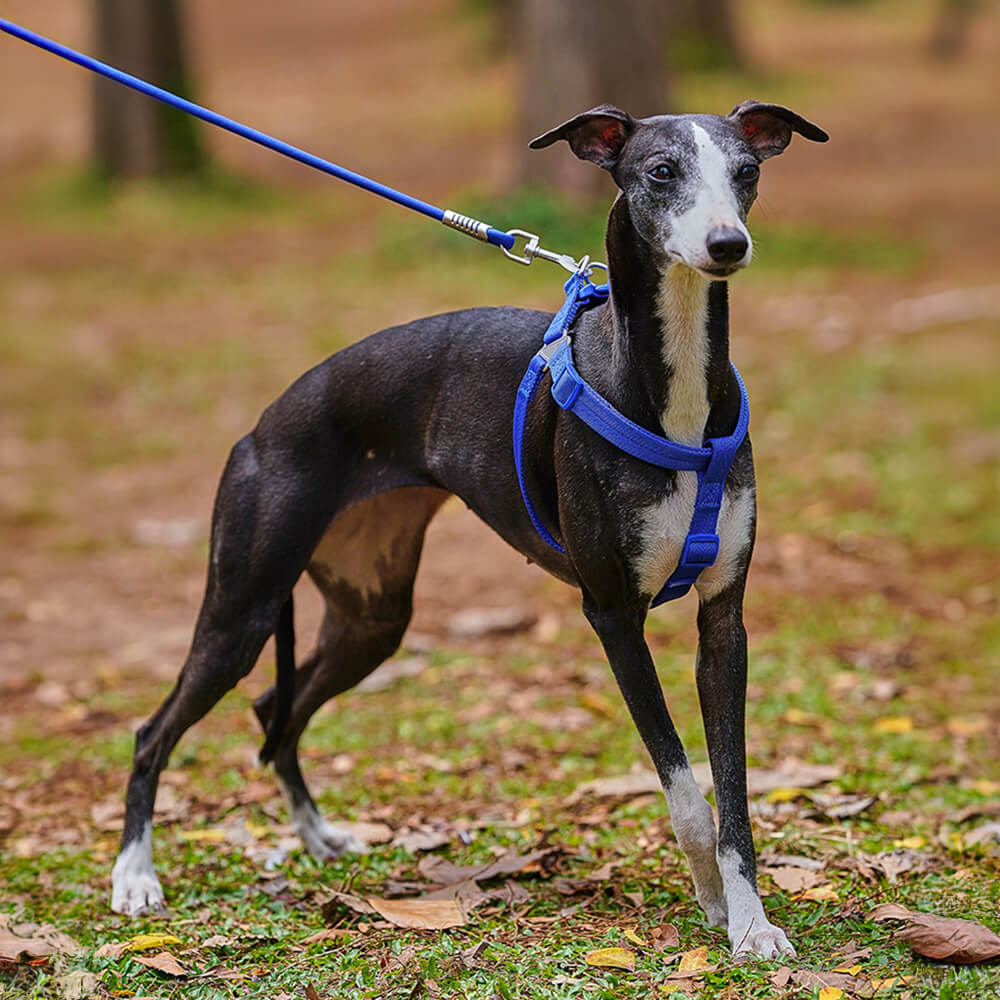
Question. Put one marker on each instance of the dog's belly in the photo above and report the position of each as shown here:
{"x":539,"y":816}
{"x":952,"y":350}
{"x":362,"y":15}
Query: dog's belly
{"x":665,"y":527}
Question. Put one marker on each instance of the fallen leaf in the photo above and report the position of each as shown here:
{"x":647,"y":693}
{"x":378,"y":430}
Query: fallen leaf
{"x":311,"y":992}
{"x":968,"y":727}
{"x":830,"y":993}
{"x":894,"y":724}
{"x":633,"y":937}
{"x":821,"y":894}
{"x":603,"y":873}
{"x":665,"y":936}
{"x":952,"y":939}
{"x":913,"y":843}
{"x":781,"y":977}
{"x":473,"y":623}
{"x":36,"y":942}
{"x":795,"y":879}
{"x":78,"y":985}
{"x":212,"y":835}
{"x":329,"y":934}
{"x":419,"y":913}
{"x":836,"y":980}
{"x":598,"y":704}
{"x":611,"y":958}
{"x":851,"y":970}
{"x":844,"y":806}
{"x":786,"y":793}
{"x":368,"y":833}
{"x":421,"y":839}
{"x":984,"y":832}
{"x":791,"y":861}
{"x":694,"y":960}
{"x":329,"y":907}
{"x":443,"y":872}
{"x":146,"y":942}
{"x":163,"y":962}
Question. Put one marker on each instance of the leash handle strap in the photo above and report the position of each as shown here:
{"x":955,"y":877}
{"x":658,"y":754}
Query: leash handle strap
{"x":484,"y":232}
{"x":572,"y":392}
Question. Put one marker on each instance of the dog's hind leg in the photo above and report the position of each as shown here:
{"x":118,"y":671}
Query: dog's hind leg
{"x":365,"y":565}
{"x":262,"y":533}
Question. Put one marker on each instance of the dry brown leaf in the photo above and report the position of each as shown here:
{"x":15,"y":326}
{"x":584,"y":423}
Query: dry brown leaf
{"x":951,"y":939}
{"x":78,"y":985}
{"x":328,"y":934}
{"x":421,"y":839}
{"x":163,"y":962}
{"x":34,"y":941}
{"x":368,"y":833}
{"x":665,"y":936}
{"x":420,"y":913}
{"x":444,"y":872}
{"x":603,"y":873}
{"x":781,"y":977}
{"x":795,"y":879}
{"x":311,"y":992}
{"x":611,"y":958}
{"x":853,"y":985}
{"x":330,"y":907}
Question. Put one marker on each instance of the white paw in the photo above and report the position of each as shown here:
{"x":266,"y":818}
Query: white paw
{"x":324,"y":841}
{"x":135,"y":889}
{"x":761,"y":940}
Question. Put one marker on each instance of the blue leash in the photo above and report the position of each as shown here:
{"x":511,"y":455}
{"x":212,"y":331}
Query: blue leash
{"x":571,"y":392}
{"x":569,"y":389}
{"x":454,"y":220}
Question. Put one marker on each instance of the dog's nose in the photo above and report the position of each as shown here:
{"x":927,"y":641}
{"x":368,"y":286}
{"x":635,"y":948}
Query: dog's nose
{"x":726,"y":245}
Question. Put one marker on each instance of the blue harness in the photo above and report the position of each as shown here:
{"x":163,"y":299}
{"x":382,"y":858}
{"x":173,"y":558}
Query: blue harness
{"x":711,"y":462}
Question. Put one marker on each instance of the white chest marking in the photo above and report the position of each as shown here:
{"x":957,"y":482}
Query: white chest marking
{"x":683,"y":310}
{"x":665,"y":526}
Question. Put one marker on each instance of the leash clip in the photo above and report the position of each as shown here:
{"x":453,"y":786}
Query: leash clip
{"x":532,"y":249}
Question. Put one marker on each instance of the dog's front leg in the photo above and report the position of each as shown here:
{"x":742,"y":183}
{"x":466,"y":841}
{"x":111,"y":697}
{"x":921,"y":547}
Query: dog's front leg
{"x":621,"y":634}
{"x":722,"y":682}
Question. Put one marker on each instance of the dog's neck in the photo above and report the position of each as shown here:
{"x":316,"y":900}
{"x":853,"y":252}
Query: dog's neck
{"x":670,"y":339}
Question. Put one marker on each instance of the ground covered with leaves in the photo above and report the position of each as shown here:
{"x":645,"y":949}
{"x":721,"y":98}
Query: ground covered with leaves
{"x":518,"y":845}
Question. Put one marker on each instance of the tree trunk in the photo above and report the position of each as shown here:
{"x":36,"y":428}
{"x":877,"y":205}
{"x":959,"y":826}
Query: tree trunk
{"x":579,"y":53}
{"x":702,"y":35}
{"x":135,"y":136}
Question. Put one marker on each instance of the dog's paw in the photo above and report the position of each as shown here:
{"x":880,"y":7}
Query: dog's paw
{"x":761,"y":940}
{"x":135,"y":889}
{"x":326,"y":842}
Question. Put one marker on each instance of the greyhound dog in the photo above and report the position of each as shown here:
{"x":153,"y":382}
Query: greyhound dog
{"x":344,"y":471}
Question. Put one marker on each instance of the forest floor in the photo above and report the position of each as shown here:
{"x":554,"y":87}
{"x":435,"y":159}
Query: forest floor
{"x":142,"y":332}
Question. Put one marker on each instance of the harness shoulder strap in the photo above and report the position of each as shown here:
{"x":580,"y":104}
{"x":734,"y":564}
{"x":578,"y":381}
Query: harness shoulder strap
{"x":571,"y":392}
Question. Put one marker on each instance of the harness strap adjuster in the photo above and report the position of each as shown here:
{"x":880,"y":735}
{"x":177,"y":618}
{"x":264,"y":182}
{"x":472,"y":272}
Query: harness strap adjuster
{"x":566,"y":388}
{"x":700,"y":550}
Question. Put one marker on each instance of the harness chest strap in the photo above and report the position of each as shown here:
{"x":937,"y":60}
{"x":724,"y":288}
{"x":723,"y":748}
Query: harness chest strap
{"x":571,"y":392}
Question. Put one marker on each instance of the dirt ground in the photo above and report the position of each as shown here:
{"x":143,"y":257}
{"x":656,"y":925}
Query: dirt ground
{"x":109,"y":580}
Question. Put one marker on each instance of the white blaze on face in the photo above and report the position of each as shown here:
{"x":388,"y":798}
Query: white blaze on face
{"x":714,"y":206}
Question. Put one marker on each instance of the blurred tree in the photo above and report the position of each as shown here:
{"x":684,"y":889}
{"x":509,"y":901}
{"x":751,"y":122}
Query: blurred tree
{"x":950,"y":36}
{"x":135,"y":136}
{"x":575,"y":54}
{"x":702,"y":34}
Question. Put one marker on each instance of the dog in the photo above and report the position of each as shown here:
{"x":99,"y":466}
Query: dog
{"x":344,"y":471}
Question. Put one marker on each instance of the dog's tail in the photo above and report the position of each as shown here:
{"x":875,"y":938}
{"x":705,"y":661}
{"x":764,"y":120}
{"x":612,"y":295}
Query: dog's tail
{"x":284,"y":685}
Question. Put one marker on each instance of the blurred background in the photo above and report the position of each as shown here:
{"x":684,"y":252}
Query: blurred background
{"x":161,"y":281}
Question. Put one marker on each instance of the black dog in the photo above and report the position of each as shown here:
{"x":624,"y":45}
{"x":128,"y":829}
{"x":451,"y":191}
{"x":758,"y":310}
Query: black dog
{"x":344,"y":471}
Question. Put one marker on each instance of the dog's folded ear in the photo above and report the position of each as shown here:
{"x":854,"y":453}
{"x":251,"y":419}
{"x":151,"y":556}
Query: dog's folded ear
{"x":769,"y":127}
{"x":597,"y":135}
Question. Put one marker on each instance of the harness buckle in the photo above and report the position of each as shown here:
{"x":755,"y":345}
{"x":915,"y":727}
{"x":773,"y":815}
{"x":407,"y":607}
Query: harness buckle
{"x":700,"y":550}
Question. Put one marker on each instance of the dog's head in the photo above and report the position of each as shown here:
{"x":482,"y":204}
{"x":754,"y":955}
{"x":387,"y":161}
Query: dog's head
{"x":689,"y":179}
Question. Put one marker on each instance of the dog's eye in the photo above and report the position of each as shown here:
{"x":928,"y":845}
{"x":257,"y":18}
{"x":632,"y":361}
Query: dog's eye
{"x":748,"y":173}
{"x":662,"y":172}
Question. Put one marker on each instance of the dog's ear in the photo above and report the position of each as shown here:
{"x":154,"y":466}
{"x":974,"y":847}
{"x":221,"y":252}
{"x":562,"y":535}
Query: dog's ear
{"x":769,"y":127}
{"x":597,"y":135}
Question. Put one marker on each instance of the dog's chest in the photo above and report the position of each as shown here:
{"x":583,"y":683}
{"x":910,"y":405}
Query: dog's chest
{"x":663,"y":528}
